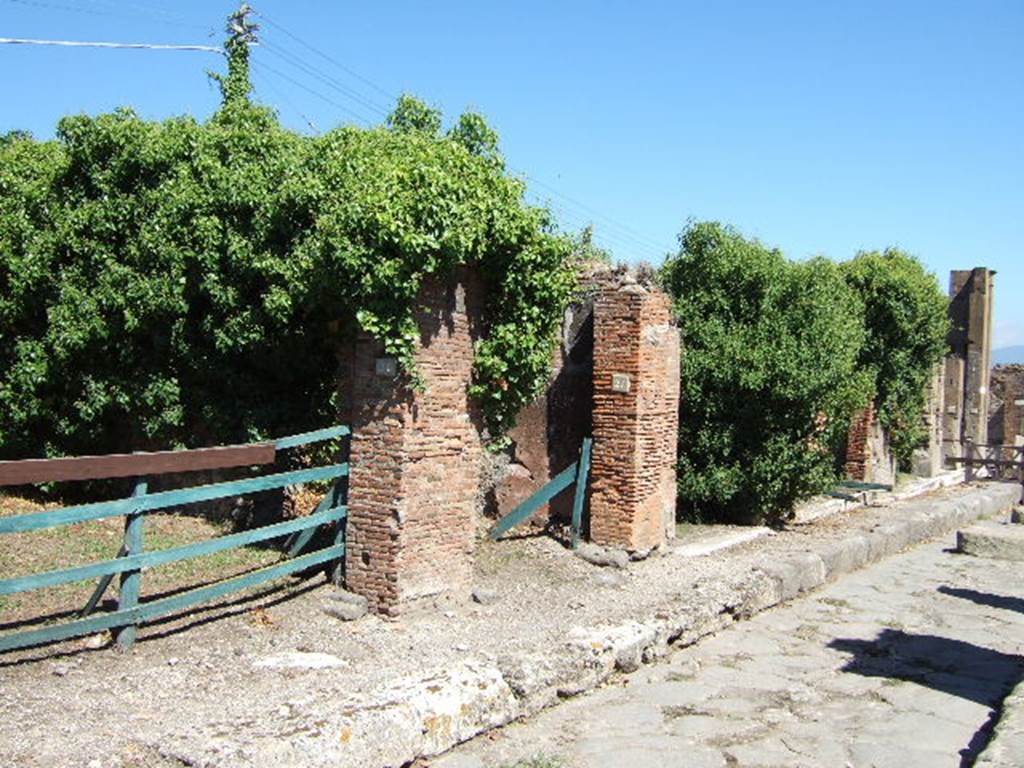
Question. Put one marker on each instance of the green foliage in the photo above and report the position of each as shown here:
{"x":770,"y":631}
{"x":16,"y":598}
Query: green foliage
{"x":176,"y":283}
{"x":768,"y":374}
{"x":906,"y":317}
{"x":589,"y":252}
{"x":413,"y":116}
{"x":473,"y":132}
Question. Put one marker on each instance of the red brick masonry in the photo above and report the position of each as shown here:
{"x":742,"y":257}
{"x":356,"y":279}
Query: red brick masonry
{"x":633,"y":482}
{"x":416,"y":459}
{"x":858,"y":445}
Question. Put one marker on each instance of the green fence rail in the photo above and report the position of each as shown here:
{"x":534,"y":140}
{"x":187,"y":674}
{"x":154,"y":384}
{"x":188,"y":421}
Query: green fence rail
{"x":576,"y":474}
{"x":132,"y":559}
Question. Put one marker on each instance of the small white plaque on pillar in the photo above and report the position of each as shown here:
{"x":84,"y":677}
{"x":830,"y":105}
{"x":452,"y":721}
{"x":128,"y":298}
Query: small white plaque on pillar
{"x":1018,"y":402}
{"x":621,"y":382}
{"x":386,"y":367}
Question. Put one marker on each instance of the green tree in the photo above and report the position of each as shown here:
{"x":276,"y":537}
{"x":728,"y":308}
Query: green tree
{"x":174,"y":283}
{"x":906,"y":317}
{"x":768,"y":374}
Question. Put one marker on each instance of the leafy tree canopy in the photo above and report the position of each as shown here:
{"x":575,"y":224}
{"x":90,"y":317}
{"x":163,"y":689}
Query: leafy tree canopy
{"x":906,"y":317}
{"x":177,"y":282}
{"x":769,"y":374}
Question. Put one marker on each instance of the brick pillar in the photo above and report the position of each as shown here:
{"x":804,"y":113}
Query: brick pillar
{"x":868,"y":453}
{"x":858,"y":445}
{"x":635,"y":418}
{"x":415,"y":460}
{"x":970,"y":359}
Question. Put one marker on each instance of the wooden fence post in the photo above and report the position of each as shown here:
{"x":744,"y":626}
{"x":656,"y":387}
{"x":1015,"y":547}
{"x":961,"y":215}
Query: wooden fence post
{"x":131,"y":581}
{"x":582,"y":473}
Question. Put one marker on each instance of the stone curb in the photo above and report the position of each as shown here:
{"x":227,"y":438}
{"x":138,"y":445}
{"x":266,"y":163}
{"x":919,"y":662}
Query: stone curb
{"x":424,"y":718}
{"x":1005,"y":748}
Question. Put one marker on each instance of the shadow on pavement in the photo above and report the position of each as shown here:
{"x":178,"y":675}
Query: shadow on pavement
{"x":985,"y":598}
{"x":951,"y":666}
{"x":955,"y":667}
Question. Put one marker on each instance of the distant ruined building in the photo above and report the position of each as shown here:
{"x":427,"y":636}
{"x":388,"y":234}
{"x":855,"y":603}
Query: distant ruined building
{"x":1006,"y":405}
{"x":963,"y":408}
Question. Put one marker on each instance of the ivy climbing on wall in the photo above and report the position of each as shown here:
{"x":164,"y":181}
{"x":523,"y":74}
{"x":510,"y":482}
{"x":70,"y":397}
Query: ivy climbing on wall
{"x":175,"y":283}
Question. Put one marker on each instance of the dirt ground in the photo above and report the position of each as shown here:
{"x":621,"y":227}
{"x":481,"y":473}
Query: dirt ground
{"x":219,"y":668}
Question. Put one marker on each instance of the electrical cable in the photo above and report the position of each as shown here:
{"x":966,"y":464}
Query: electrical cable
{"x":86,"y":44}
{"x":287,"y":100}
{"x":627,"y":234}
{"x":359,"y":118}
{"x":335,"y":62}
{"x":110,"y":12}
{"x":326,"y":79}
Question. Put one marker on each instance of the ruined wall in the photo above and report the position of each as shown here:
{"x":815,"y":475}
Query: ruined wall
{"x":869,"y":455}
{"x":416,"y":458}
{"x":966,"y":392}
{"x":928,"y":460}
{"x":636,"y":418}
{"x":1006,"y":407}
{"x":549,"y":431}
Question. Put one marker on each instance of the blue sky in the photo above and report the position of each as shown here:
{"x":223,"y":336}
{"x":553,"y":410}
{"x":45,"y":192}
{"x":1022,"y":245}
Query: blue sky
{"x":820,"y":127}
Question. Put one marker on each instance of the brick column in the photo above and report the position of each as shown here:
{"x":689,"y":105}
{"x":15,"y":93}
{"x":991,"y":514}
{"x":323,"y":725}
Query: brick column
{"x":635,"y":418}
{"x":416,"y":460}
{"x":868,"y":453}
{"x":858,"y":445}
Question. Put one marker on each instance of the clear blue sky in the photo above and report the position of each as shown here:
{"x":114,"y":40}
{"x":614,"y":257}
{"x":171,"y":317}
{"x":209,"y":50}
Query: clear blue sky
{"x":820,"y":127}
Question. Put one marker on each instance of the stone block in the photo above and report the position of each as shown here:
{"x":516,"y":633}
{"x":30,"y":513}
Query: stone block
{"x":595,"y":555}
{"x":1001,"y":542}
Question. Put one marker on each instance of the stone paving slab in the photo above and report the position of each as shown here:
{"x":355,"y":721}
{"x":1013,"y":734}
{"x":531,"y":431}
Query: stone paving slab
{"x":1006,"y":747}
{"x":1004,"y":541}
{"x":902,"y":664}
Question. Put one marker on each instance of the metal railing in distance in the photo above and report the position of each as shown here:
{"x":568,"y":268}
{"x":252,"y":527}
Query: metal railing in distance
{"x":132,"y":559}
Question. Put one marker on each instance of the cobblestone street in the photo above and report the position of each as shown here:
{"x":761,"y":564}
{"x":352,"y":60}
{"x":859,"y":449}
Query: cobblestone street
{"x":903,"y":664}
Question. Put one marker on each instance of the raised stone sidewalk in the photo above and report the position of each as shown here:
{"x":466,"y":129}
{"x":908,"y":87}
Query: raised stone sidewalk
{"x":431,"y":716}
{"x":276,"y":681}
{"x":1006,"y":747}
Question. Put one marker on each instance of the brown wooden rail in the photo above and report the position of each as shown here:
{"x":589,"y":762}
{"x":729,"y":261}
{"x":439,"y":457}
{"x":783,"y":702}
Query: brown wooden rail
{"x":30,"y":471}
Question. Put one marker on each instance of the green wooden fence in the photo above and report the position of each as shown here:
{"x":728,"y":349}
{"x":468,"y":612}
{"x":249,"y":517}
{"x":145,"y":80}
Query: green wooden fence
{"x":132,"y":559}
{"x":576,"y":474}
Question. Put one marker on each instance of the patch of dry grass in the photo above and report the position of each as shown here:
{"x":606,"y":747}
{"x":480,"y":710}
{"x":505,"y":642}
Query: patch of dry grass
{"x":94,"y":541}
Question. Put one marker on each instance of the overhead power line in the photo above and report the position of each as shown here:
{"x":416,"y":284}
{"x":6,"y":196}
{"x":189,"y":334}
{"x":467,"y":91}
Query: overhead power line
{"x":85,"y":44}
{"x":261,"y":66}
{"x":331,"y":82}
{"x":624,"y":237}
{"x":571,"y":210}
{"x":120,"y":10}
{"x":326,"y":57}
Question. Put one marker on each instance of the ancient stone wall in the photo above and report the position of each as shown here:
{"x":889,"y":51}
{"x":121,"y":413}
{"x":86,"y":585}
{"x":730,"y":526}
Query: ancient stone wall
{"x":928,"y":459}
{"x":416,"y":458}
{"x":635,"y":418}
{"x":967,"y":367}
{"x":548,"y":432}
{"x":1006,"y":407}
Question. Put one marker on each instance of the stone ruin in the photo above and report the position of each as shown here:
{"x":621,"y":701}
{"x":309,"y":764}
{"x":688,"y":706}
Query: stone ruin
{"x":958,"y":413}
{"x":421,"y":474}
{"x":418,"y":456}
{"x":1006,"y":405}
